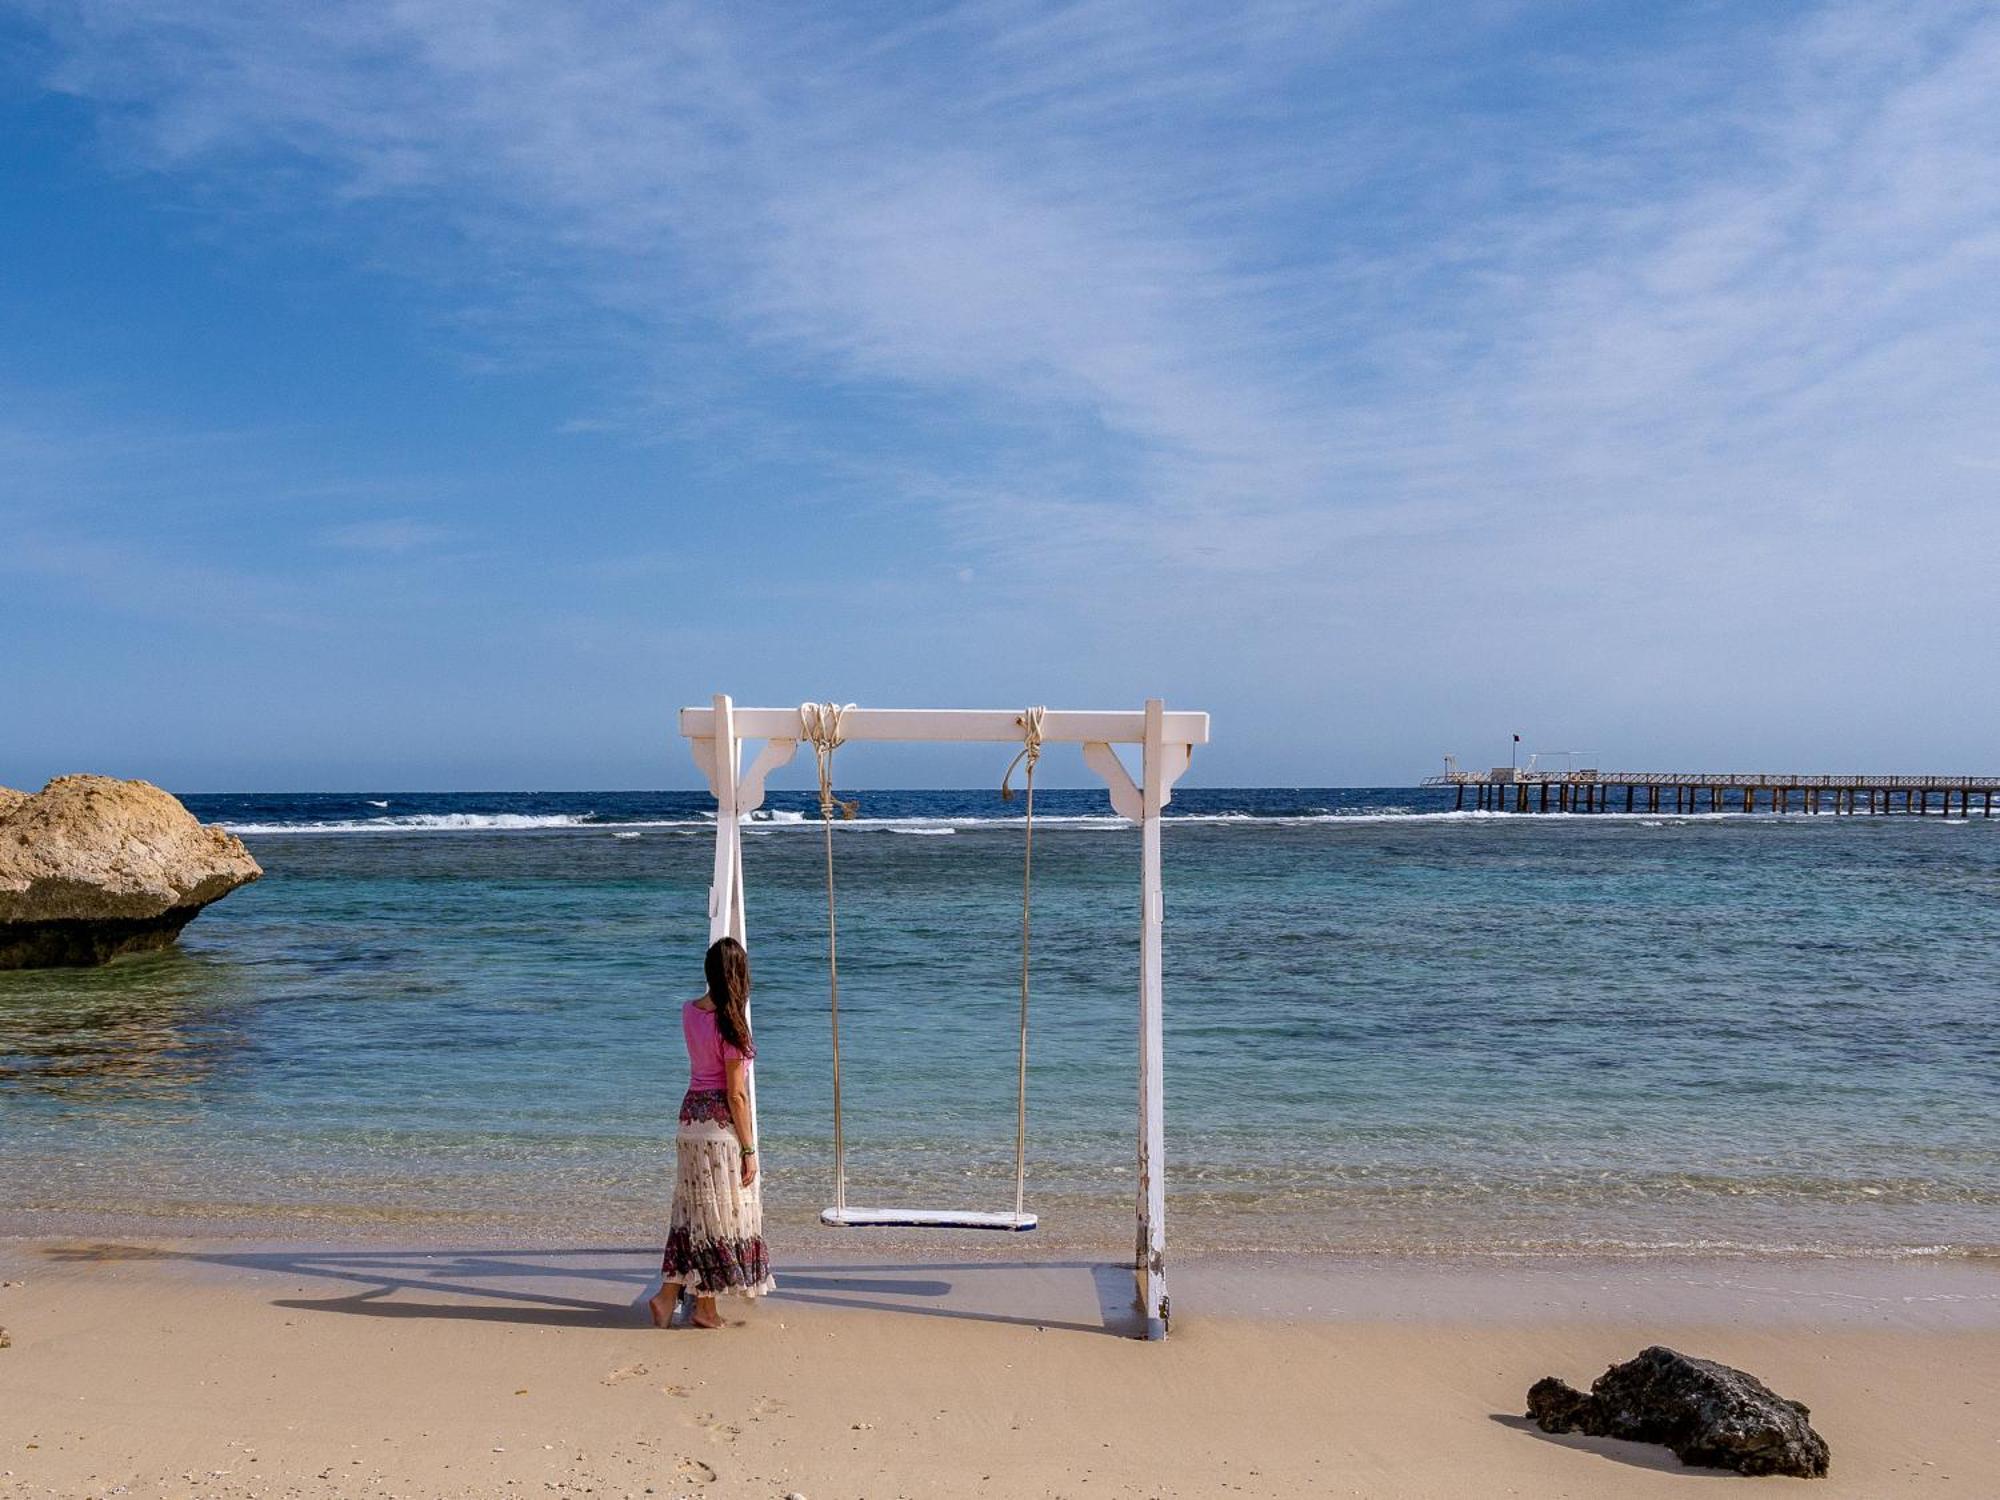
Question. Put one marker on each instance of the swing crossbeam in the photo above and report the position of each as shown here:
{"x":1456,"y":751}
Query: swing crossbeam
{"x":974,"y":725}
{"x":716,"y":736}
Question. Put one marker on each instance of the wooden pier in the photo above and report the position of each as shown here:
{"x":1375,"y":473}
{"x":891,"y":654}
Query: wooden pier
{"x":1507,"y":789}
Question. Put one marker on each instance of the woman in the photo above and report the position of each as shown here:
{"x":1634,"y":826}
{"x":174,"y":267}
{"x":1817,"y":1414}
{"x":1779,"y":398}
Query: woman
{"x":715,"y":1238}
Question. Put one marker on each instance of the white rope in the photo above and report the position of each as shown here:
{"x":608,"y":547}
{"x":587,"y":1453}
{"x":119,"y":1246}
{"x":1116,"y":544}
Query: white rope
{"x":822,"y":725}
{"x":1031,"y":752}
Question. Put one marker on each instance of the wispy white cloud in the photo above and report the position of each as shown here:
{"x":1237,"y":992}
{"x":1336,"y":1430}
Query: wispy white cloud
{"x":1327,"y":311}
{"x":1003,"y":234}
{"x":146,"y":518}
{"x":391,"y":534}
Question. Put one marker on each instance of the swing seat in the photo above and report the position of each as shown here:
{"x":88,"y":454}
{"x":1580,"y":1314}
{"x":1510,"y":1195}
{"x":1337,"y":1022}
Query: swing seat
{"x":925,"y":1218}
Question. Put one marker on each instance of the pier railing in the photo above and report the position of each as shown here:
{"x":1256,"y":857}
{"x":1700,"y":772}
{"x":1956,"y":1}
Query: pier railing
{"x":1727,"y":780}
{"x":1521,"y":789}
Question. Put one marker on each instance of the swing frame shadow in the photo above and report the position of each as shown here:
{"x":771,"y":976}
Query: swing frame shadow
{"x":716,"y":736}
{"x":381,"y":1281}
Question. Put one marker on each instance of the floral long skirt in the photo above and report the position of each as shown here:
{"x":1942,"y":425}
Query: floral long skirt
{"x":715,"y":1237}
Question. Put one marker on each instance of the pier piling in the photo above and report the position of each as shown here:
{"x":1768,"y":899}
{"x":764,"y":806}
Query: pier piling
{"x":1527,"y":789}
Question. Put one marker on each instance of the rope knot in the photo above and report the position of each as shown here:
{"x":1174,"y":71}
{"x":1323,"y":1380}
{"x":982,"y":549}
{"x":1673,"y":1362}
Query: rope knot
{"x":822,"y":723}
{"x":1031,"y":750}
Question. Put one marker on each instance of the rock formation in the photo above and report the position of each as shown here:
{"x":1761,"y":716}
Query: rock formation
{"x":92,"y":867}
{"x":1710,"y":1415}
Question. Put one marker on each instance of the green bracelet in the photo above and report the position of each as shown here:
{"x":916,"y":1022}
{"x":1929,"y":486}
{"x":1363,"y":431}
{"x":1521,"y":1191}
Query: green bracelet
{"x":749,"y":1150}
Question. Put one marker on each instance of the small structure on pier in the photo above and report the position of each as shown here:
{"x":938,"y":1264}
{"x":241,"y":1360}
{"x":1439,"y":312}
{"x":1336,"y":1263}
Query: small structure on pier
{"x":1527,"y":789}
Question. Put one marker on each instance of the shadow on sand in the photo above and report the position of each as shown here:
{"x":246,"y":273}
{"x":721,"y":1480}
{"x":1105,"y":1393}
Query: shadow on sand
{"x":567,"y":1288}
{"x":1634,"y":1455}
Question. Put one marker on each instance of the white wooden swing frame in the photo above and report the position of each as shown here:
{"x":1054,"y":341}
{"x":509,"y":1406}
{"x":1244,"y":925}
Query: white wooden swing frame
{"x":716,"y":736}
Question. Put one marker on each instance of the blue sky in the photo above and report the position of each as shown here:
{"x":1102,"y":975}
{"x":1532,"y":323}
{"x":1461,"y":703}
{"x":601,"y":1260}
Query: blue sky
{"x":435,"y":394}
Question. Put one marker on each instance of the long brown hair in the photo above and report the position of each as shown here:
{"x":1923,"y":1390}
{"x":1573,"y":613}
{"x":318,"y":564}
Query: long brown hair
{"x":728,"y":970}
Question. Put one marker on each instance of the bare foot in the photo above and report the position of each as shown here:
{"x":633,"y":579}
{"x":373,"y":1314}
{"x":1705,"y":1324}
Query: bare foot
{"x":663,"y":1307}
{"x":705,"y":1315}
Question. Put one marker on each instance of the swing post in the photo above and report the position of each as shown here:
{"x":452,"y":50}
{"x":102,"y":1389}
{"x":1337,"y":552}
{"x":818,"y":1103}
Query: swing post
{"x":1150,"y":1254}
{"x":725,"y":891}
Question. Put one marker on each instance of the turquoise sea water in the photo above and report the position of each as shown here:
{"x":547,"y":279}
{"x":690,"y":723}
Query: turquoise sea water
{"x":1389,"y":1028}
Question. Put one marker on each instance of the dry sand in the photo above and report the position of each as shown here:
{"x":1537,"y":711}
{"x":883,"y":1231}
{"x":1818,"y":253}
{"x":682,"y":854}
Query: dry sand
{"x":226,"y":1370}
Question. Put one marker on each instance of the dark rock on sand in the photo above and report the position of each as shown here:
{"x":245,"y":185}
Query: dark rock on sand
{"x":92,"y":867}
{"x":1710,"y":1415}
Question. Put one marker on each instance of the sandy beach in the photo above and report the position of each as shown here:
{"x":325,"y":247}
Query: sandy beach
{"x":229,"y":1369}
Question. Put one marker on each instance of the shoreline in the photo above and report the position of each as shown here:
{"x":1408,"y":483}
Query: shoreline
{"x":796,"y":1225}
{"x":187,"y":1369}
{"x":1002,"y":1277}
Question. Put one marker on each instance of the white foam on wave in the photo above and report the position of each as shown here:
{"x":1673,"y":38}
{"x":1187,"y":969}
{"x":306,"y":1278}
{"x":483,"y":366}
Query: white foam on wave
{"x":422,"y":822}
{"x":757,"y":823}
{"x":460,"y":823}
{"x":972,"y":822}
{"x":779,"y":820}
{"x":1102,"y":821}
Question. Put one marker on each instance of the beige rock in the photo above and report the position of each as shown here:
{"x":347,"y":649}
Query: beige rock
{"x":91,"y":867}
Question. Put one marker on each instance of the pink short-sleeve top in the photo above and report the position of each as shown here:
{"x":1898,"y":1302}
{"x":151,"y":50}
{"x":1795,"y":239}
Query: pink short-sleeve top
{"x":707,"y":1050}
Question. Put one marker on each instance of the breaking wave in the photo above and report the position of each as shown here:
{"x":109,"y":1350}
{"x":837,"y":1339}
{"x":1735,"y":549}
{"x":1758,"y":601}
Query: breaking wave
{"x":462,"y":823}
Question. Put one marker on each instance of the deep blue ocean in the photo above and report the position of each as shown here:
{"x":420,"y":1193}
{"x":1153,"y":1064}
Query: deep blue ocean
{"x":1390,"y":1028}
